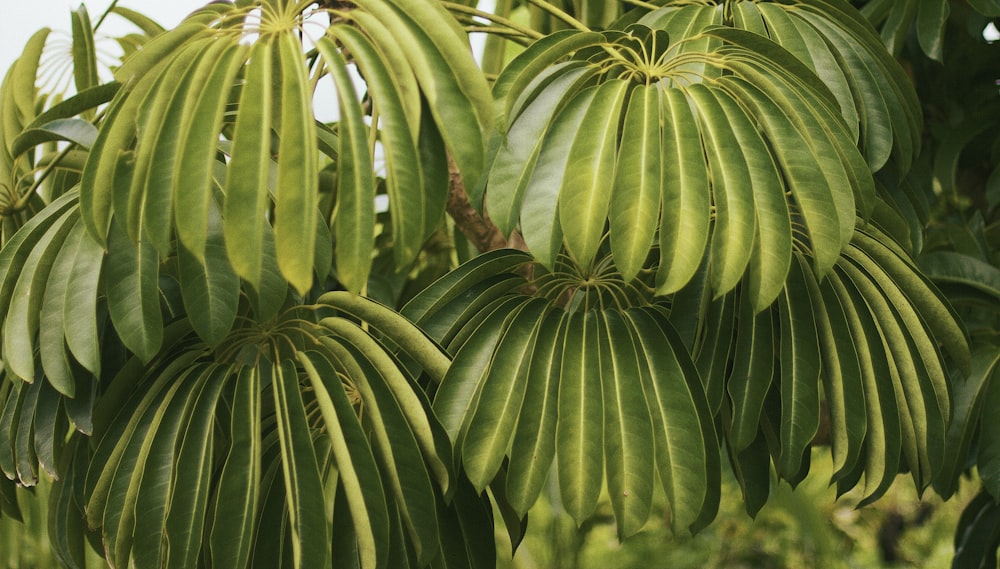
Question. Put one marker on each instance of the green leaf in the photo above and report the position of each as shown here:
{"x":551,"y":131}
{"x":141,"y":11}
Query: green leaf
{"x":772,"y":246}
{"x":683,"y":432}
{"x":149,"y":208}
{"x":883,"y":437}
{"x":77,"y":104}
{"x":588,"y":179}
{"x":238,"y":495}
{"x":22,"y":315}
{"x":410,"y":404}
{"x":540,"y":216}
{"x":970,"y":399}
{"x":84,"y":51}
{"x":193,"y":181}
{"x":924,"y":314}
{"x":879,"y":129}
{"x":579,"y":431}
{"x":897,"y":26}
{"x":686,"y":199}
{"x":456,"y":91}
{"x":403,"y":333}
{"x":297,"y":185}
{"x":635,"y":198}
{"x":932,"y":17}
{"x":356,"y":467}
{"x":828,"y":66}
{"x":751,"y":376}
{"x":805,"y":155}
{"x":144,"y":23}
{"x":534,"y":442}
{"x":108,"y":481}
{"x":958,"y":268}
{"x":25,"y":457}
{"x":354,"y":226}
{"x":249,"y":169}
{"x":842,"y":377}
{"x":398,"y":452}
{"x":17,"y":248}
{"x":133,"y":293}
{"x":522,"y":144}
{"x":501,"y":394}
{"x":52,"y":318}
{"x":988,"y":455}
{"x":23,"y":77}
{"x":977,"y":536}
{"x":11,"y":394}
{"x":47,"y":430}
{"x":210,"y":288}
{"x":387,"y":71}
{"x":66,"y":521}
{"x":77,"y":131}
{"x":102,"y":170}
{"x":268,"y":297}
{"x":628,"y":429}
{"x":986,"y":7}
{"x":149,"y":489}
{"x":712,"y":352}
{"x":191,"y":483}
{"x":80,"y":306}
{"x":457,"y":282}
{"x":161,"y":47}
{"x":460,"y":387}
{"x":921,"y":421}
{"x":732,"y":192}
{"x":752,"y":468}
{"x":800,"y":370}
{"x":306,"y":514}
{"x":530,"y":63}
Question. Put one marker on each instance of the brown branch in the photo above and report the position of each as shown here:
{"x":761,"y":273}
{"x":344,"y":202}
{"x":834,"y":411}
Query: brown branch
{"x":479,"y":229}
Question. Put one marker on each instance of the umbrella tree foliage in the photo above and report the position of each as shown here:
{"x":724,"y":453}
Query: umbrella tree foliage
{"x":737,"y":228}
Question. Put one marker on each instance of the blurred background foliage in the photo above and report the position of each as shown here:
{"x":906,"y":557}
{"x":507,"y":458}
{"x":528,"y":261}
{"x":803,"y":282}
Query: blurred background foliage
{"x":805,"y":527}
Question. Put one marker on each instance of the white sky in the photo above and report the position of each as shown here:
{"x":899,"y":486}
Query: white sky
{"x":20,"y":19}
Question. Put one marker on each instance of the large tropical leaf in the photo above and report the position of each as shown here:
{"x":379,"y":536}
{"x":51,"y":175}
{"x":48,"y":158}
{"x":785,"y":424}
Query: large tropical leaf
{"x":742,"y":155}
{"x":833,"y":41}
{"x":593,"y":386}
{"x":867,"y":341}
{"x":185,"y":467}
{"x":170,"y":115}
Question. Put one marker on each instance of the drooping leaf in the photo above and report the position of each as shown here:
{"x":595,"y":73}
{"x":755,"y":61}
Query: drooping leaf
{"x":354,"y":460}
{"x":588,"y":180}
{"x":297,"y":180}
{"x":628,"y":430}
{"x":248,"y":182}
{"x":133,"y":293}
{"x":210,"y":288}
{"x":800,"y":369}
{"x":579,"y":437}
{"x":353,"y":228}
{"x":306,"y":514}
{"x":635,"y":199}
{"x":238,"y":495}
{"x":501,"y":395}
{"x":535,"y":432}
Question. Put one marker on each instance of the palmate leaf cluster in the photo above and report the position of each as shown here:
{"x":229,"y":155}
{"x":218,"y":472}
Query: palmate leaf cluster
{"x":727,"y":247}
